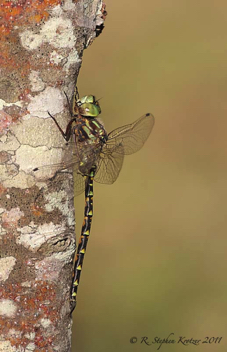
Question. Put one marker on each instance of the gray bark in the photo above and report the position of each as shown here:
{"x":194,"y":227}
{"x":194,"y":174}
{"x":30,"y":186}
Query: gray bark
{"x":42,"y":52}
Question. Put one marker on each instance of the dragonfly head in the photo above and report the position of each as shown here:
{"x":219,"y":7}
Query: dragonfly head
{"x":87,"y":106}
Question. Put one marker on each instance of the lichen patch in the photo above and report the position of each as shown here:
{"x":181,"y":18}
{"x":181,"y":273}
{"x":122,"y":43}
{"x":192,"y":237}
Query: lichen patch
{"x":9,"y":142}
{"x":60,"y":201}
{"x":32,"y":237}
{"x":57,"y":32}
{"x":7,"y":308}
{"x":4,"y":103}
{"x":45,"y":322}
{"x":30,"y":158}
{"x":6,"y":266}
{"x":56,"y":58}
{"x":72,"y":58}
{"x":48,"y":269}
{"x":21,"y":180}
{"x":10,"y":218}
{"x":5,"y":346}
{"x":50,"y":100}
{"x":36,"y":131}
{"x":30,"y":347}
{"x":36,"y":82}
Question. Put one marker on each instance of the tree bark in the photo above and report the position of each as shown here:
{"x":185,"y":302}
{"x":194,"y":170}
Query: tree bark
{"x":42,"y":44}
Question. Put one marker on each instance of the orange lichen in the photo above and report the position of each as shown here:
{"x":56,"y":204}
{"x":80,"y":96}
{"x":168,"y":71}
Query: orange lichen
{"x":36,"y":210}
{"x":5,"y":121}
{"x":25,"y":95}
{"x":5,"y":59}
{"x":36,"y":305}
{"x":14,"y":15}
{"x":15,"y":112}
{"x":2,"y":189}
{"x":23,"y":12}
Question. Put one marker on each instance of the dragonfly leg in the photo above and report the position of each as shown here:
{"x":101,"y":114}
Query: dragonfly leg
{"x":67,"y":134}
{"x":69,"y":105}
{"x":76,"y":93}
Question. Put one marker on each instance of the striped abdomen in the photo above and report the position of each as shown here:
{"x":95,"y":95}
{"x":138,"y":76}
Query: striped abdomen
{"x":85,"y":232}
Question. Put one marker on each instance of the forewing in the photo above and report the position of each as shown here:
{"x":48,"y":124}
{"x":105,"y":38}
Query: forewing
{"x":109,"y":164}
{"x":133,"y":136}
{"x":79,"y":183}
{"x":69,"y":160}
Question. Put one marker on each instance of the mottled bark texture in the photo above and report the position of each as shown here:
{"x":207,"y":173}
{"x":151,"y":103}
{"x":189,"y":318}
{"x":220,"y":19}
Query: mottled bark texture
{"x":42,"y":44}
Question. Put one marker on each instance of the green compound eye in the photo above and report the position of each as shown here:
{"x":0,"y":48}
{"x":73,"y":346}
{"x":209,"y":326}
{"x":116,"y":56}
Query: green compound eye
{"x":88,"y":99}
{"x":89,"y":106}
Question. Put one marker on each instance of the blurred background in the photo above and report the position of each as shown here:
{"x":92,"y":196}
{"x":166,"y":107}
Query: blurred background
{"x":156,"y":259}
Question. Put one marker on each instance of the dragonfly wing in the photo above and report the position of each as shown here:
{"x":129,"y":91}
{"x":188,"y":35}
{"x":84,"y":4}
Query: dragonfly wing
{"x":44,"y":172}
{"x":79,"y":157}
{"x":133,"y":136}
{"x":109,"y":164}
{"x":88,"y":153}
{"x":79,"y":183}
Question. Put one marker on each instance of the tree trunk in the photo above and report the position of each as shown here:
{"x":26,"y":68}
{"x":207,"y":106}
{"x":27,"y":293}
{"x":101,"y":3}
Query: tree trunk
{"x":42,"y":44}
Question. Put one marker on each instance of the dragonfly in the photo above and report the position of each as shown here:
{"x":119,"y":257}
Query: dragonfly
{"x":96,"y":155}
